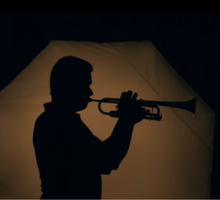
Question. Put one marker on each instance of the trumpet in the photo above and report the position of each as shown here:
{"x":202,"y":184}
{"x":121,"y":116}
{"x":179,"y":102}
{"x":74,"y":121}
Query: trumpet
{"x":186,"y":105}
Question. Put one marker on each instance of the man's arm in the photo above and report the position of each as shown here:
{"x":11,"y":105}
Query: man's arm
{"x":116,"y":146}
{"x":118,"y":143}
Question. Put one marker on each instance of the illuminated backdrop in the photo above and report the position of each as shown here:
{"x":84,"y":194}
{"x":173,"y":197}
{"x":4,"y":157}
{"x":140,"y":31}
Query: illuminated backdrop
{"x":167,"y":159}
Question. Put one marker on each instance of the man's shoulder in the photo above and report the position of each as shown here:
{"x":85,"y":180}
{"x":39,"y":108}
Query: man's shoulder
{"x":44,"y":120}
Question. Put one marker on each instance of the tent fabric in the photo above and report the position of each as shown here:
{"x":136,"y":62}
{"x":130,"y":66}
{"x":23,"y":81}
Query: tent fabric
{"x":171,"y":158}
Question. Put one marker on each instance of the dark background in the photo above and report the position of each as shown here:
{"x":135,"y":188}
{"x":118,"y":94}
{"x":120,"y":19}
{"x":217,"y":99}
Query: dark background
{"x":189,"y":42}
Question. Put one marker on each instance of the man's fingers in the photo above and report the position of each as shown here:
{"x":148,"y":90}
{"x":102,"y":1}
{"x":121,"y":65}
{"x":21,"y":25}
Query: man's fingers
{"x":126,"y":95}
{"x":135,"y":96}
{"x":123,"y":95}
{"x":129,"y":94}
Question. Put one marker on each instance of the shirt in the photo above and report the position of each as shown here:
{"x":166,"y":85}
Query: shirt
{"x":69,"y":157}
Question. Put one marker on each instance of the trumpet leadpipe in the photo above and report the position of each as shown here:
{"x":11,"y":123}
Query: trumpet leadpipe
{"x":106,"y":100}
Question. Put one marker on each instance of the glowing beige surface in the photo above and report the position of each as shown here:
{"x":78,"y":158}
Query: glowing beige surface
{"x":167,"y":159}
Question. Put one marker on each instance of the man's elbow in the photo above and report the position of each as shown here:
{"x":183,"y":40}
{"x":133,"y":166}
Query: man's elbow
{"x":108,"y":170}
{"x":115,"y":167}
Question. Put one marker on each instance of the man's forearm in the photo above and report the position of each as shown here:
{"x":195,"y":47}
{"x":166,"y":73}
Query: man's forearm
{"x":119,"y":141}
{"x":130,"y":112}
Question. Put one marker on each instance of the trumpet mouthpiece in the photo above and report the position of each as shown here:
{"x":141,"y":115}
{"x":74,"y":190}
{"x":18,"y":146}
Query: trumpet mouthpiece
{"x":90,"y":100}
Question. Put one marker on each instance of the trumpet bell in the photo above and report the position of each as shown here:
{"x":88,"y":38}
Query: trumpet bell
{"x":191,"y":105}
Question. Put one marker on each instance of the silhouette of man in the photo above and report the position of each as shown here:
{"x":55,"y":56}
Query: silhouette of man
{"x":69,"y":157}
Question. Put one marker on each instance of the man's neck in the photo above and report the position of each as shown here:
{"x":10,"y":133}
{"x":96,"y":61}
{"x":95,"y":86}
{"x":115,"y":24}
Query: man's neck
{"x":63,"y":108}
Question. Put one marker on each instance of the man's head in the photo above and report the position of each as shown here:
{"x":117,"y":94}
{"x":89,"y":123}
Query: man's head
{"x":70,"y":83}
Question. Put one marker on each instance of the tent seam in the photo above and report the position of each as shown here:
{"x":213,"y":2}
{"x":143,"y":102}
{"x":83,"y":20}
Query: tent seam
{"x":195,"y":133}
{"x":6,"y":189}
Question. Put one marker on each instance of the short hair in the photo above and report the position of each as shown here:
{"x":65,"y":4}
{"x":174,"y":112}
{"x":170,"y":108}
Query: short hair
{"x":68,"y":70}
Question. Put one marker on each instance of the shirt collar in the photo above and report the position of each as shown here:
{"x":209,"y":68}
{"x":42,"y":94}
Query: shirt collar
{"x":51,"y":108}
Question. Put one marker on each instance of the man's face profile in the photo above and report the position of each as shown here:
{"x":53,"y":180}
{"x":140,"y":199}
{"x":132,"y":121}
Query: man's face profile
{"x":78,"y":93}
{"x":70,"y":83}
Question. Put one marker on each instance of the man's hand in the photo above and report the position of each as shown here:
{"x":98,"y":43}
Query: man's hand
{"x":130,"y":109}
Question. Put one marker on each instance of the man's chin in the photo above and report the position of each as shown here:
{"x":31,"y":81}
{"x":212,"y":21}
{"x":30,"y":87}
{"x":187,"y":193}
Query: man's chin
{"x":82,"y":107}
